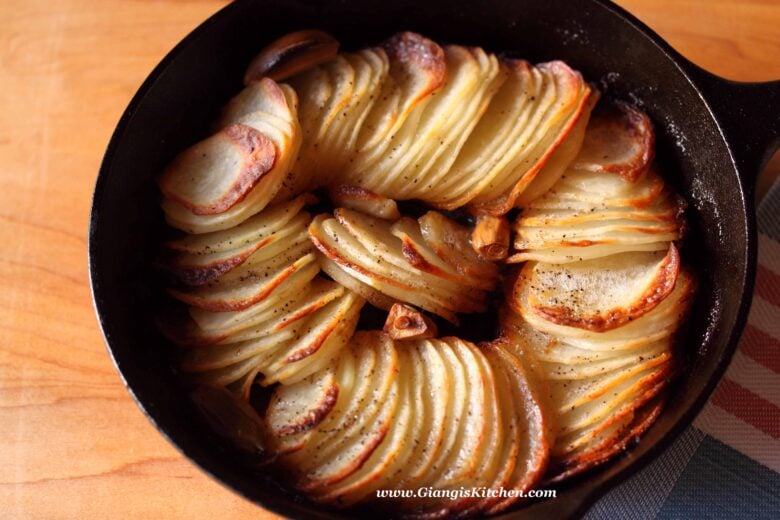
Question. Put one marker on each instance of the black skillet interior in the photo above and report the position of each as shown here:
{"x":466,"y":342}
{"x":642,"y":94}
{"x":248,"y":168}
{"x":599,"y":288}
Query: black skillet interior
{"x":183,"y":95}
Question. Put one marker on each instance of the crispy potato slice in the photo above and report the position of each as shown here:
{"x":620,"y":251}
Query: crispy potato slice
{"x":339,"y":275}
{"x":499,"y":190}
{"x":366,"y":249}
{"x":315,"y":339}
{"x":659,"y":211}
{"x":285,"y":134}
{"x":494,"y":444}
{"x":508,"y":113}
{"x":250,"y":282}
{"x":610,"y":445}
{"x":328,"y":353}
{"x":214,"y":357}
{"x":221,"y":325}
{"x":594,"y":211}
{"x":392,"y":452}
{"x":291,"y":54}
{"x":436,"y":380}
{"x":203,"y":267}
{"x":511,"y":429}
{"x":602,"y":294}
{"x":556,"y":164}
{"x":375,"y":234}
{"x":348,"y":375}
{"x":256,"y":229}
{"x":474,"y":421}
{"x":657,"y":324}
{"x":416,"y":69}
{"x":442,"y":258}
{"x":364,"y":201}
{"x":450,"y":241}
{"x":325,"y":96}
{"x":534,"y":442}
{"x":328,"y":457}
{"x":436,"y":167}
{"x":392,"y":279}
{"x":300,"y":407}
{"x":218,"y":172}
{"x":620,"y":141}
{"x":266,"y":317}
{"x":360,"y":108}
{"x":456,"y":424}
{"x":598,"y":382}
{"x":299,"y":339}
{"x":333,"y":151}
{"x":451,"y":113}
{"x":264,"y":96}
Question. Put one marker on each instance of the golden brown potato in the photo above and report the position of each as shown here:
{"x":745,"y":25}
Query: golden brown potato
{"x":603,"y":386}
{"x":584,"y":347}
{"x":441,"y":412}
{"x":403,"y":269}
{"x":226,"y":179}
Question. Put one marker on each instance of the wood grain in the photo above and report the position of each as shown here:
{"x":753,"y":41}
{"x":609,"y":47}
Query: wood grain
{"x":74,"y":444}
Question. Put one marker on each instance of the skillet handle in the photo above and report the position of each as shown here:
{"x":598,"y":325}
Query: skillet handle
{"x":749,"y":117}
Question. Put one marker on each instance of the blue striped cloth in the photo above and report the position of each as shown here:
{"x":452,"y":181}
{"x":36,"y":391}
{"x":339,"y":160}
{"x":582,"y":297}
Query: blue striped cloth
{"x":727,"y":465}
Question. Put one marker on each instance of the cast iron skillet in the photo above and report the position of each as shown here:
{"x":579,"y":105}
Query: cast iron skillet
{"x":713,"y":138}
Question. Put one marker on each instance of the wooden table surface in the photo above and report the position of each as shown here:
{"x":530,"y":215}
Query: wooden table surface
{"x":72,"y":442}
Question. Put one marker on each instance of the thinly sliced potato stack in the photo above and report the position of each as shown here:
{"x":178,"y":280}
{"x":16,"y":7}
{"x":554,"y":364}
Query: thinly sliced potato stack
{"x":429,"y":140}
{"x":601,"y":294}
{"x":257,"y":306}
{"x":449,"y":126}
{"x":532,"y":129}
{"x":609,"y":201}
{"x":390,"y":262}
{"x":200,"y":259}
{"x":282,"y":340}
{"x":604,"y":355}
{"x":441,"y":413}
{"x":585,"y":344}
{"x":417,"y":69}
{"x":254,"y":272}
{"x":225,"y":179}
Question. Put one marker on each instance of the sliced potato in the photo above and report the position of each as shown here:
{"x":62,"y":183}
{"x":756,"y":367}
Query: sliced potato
{"x":363,"y":200}
{"x":327,"y":458}
{"x":366,"y":249}
{"x":287,"y":345}
{"x":392,"y":453}
{"x":450,"y":241}
{"x":597,"y":382}
{"x":601,"y":294}
{"x":249,"y":283}
{"x":659,"y":323}
{"x":434,"y":397}
{"x":416,"y":69}
{"x":500,"y":189}
{"x":283,"y":131}
{"x":620,"y":141}
{"x":443,"y":124}
{"x":496,"y":131}
{"x":218,"y":172}
{"x":225,"y":324}
{"x":609,"y":201}
{"x":556,"y":164}
{"x":335,"y":322}
{"x":534,"y":450}
{"x":258,"y":241}
{"x":300,"y":407}
{"x":290,"y":54}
